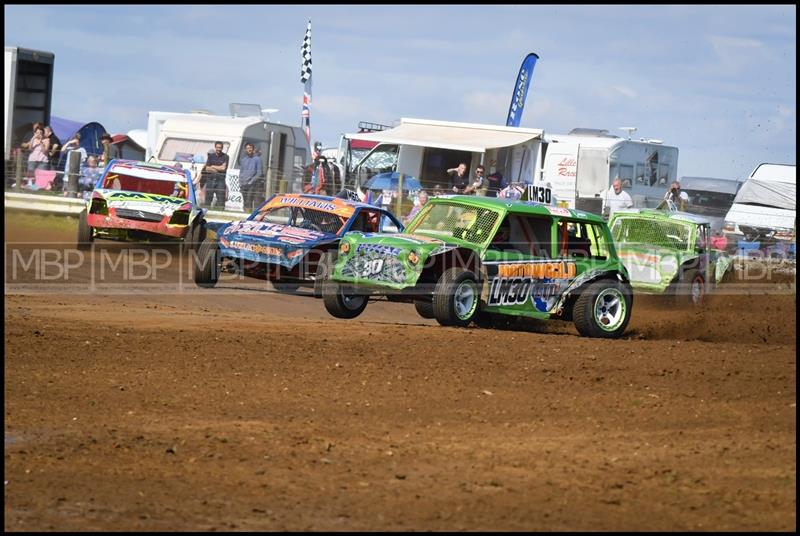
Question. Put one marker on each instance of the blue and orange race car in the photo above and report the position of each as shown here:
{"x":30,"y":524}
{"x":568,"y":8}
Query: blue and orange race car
{"x":291,"y":240}
{"x":141,"y":201}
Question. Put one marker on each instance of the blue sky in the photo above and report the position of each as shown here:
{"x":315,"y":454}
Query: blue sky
{"x":719,"y":82}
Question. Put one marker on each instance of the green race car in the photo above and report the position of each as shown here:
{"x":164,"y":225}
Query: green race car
{"x":470,"y":259}
{"x":668,"y":253}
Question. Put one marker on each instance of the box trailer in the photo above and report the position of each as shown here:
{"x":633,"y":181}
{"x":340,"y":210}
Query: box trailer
{"x":29,"y":92}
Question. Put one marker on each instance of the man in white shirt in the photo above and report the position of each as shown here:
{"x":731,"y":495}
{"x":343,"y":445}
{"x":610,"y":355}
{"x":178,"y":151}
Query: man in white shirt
{"x":616,"y":198}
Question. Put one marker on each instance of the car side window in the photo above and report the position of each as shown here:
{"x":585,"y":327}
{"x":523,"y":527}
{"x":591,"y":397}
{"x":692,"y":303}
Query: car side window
{"x":581,"y":240}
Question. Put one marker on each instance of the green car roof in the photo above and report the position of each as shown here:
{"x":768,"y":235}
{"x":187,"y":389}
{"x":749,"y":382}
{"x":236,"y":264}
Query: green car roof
{"x":516,"y":207}
{"x":655,"y":214}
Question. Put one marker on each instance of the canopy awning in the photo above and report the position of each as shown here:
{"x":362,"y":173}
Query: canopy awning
{"x":447,"y":135}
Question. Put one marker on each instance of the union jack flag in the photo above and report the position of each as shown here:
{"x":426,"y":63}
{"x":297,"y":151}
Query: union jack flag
{"x":305,"y":78}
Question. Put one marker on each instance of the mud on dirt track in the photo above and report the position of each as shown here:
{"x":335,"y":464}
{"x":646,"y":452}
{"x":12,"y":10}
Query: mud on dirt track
{"x":157,"y":406}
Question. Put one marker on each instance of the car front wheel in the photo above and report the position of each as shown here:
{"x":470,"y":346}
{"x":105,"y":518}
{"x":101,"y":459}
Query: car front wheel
{"x":341,"y":304}
{"x":456,"y":297}
{"x":207,"y":264}
{"x":85,"y":232}
{"x":603,"y":309}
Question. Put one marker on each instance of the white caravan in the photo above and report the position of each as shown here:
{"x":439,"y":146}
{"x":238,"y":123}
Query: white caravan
{"x":764,"y":209}
{"x":187,"y":138}
{"x":581,"y":165}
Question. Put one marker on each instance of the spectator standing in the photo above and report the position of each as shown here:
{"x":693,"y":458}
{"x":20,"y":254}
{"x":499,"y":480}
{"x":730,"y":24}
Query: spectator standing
{"x":675,"y":199}
{"x":513,"y":191}
{"x":494,"y":183}
{"x":438,"y":190}
{"x":459,"y":180}
{"x":53,"y":151}
{"x":616,"y":198}
{"x":74,"y":144}
{"x":214,"y":176}
{"x":26,"y":143}
{"x":422,"y":198}
{"x":38,"y":157}
{"x":478,"y":185}
{"x":110,"y":151}
{"x":251,"y":178}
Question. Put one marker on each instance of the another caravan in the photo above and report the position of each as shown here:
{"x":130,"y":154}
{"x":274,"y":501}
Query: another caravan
{"x":581,"y":165}
{"x":764,"y":209}
{"x":187,"y":138}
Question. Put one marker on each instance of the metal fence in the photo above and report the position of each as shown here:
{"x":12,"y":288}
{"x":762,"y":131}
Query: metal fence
{"x":65,"y":182}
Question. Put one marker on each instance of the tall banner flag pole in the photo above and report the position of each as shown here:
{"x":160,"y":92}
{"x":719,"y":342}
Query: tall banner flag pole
{"x":521,"y":90}
{"x":305,"y":78}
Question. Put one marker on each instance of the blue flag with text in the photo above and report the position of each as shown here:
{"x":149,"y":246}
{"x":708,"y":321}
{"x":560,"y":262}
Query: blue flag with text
{"x":521,"y":90}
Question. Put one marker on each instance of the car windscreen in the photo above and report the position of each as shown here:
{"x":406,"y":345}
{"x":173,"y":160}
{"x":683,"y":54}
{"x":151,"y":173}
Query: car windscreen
{"x":445,"y":220}
{"x":657,"y":233}
{"x":129,"y":183}
{"x":305,"y":217}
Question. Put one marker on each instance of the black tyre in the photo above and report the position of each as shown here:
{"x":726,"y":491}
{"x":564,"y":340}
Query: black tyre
{"x":340,"y":304}
{"x":456,"y":297}
{"x":691,"y":289}
{"x":196,"y":235}
{"x":424,"y":308}
{"x":85,"y":232}
{"x":207,"y":264}
{"x":603,"y":309}
{"x":324,"y":268}
{"x":281,"y":286}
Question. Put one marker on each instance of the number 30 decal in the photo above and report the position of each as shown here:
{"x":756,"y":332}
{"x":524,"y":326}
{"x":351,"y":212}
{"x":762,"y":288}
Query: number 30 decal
{"x":372,"y":267}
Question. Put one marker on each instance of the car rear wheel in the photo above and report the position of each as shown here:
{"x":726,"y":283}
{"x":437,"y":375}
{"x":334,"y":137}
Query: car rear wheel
{"x":196,"y":235}
{"x":603,"y":309}
{"x":207,"y":264}
{"x":456,"y":297}
{"x":341,"y":304}
{"x":85,"y":232}
{"x":424,"y":308}
{"x":691,"y":289}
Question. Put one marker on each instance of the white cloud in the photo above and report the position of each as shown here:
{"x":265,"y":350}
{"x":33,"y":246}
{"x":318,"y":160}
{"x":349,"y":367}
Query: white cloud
{"x":628,"y":92}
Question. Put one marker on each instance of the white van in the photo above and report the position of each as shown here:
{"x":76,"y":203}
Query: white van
{"x":764,"y":208}
{"x":187,"y":138}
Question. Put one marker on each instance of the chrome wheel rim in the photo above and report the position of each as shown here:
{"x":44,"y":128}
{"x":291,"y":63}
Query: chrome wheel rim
{"x":609,"y":309}
{"x":465,"y":299}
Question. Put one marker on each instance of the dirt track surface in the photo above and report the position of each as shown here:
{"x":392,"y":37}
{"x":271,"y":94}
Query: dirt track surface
{"x":157,"y":406}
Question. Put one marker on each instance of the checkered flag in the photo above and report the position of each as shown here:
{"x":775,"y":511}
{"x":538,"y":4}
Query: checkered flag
{"x":305,"y":78}
{"x":305,"y":68}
